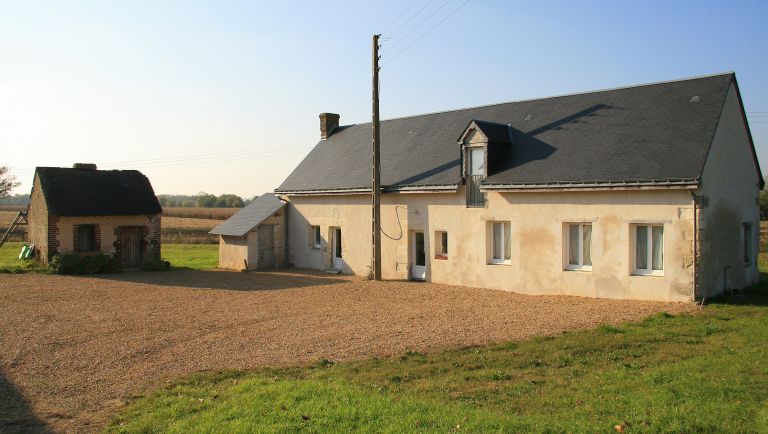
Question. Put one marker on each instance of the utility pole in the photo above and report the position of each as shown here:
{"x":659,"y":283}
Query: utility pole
{"x":376,"y":168}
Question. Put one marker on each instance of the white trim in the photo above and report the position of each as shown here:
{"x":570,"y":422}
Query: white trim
{"x":503,"y":260}
{"x":580,"y":266}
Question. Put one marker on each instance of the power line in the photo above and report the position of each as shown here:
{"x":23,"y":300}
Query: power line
{"x":419,"y":25}
{"x":410,"y":19}
{"x":425,"y":33}
{"x":400,"y":16}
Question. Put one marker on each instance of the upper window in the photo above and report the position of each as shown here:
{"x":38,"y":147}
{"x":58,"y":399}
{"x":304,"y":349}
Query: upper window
{"x":747,"y":243}
{"x":649,"y":249}
{"x":579,"y":246}
{"x":86,"y":238}
{"x":441,"y":244}
{"x":317,"y":240}
{"x":477,"y":161}
{"x":501,"y":245}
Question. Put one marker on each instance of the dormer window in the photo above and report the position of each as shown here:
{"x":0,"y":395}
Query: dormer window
{"x":476,"y":169}
{"x":484,"y":146}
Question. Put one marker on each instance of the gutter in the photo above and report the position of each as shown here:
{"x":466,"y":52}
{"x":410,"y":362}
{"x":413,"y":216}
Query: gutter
{"x":689,"y":183}
{"x":387,"y":189}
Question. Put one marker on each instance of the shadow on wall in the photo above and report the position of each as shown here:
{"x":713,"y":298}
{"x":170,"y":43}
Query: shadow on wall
{"x":16,"y":415}
{"x":285,"y":278}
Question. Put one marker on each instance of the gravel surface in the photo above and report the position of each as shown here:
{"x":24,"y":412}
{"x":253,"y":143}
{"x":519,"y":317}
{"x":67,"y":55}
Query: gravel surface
{"x":74,"y":349}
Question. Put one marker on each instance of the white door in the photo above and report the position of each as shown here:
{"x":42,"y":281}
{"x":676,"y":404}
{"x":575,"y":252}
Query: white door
{"x":337,"y":263}
{"x":418,"y":256}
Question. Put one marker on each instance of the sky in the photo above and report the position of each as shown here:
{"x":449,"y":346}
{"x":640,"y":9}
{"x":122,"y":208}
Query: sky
{"x":224,"y":96}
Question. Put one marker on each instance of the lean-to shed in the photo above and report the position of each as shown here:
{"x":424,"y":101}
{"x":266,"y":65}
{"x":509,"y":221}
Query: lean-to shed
{"x":254,"y":237}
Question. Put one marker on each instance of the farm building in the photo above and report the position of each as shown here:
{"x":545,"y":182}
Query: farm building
{"x":254,"y":238}
{"x":82,"y":210}
{"x":644,"y":192}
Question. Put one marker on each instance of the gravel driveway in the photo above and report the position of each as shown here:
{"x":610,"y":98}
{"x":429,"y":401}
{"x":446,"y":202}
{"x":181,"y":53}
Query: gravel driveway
{"x":73,"y":349}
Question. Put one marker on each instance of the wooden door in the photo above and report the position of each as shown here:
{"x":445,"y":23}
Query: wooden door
{"x":266,"y":243}
{"x":131,"y":246}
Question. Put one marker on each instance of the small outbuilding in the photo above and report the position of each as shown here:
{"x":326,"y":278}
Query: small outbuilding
{"x":254,"y":238}
{"x":82,"y":210}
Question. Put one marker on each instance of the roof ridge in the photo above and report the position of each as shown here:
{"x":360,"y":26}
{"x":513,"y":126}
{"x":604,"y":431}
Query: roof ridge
{"x":631,"y":86}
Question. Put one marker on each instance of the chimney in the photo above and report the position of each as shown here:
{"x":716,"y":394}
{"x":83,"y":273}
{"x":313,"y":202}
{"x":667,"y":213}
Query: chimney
{"x":84,"y":166}
{"x":328,"y":123}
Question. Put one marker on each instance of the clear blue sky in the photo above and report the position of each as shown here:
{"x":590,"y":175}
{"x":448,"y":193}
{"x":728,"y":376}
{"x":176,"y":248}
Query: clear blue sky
{"x":224,"y":96}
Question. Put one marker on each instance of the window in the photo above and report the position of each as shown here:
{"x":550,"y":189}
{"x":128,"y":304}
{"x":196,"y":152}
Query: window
{"x":317,"y":240}
{"x":579,"y":246}
{"x":477,"y":162}
{"x":649,"y":249}
{"x":86,"y":238}
{"x":475,"y":175}
{"x":441,"y":245}
{"x":501,"y":245}
{"x":747,"y":243}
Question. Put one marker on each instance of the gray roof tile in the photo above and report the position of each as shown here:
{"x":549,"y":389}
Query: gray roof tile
{"x":249,"y":217}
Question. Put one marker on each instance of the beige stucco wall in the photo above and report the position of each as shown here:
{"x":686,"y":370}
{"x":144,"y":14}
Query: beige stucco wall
{"x":537,"y":222}
{"x":730,"y":189}
{"x":241,"y":253}
{"x":38,"y":221}
{"x":107,"y":226}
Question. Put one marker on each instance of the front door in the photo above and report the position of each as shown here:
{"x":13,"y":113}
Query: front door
{"x":131,"y":246}
{"x":418,"y":256}
{"x":266,"y":244}
{"x":337,"y":262}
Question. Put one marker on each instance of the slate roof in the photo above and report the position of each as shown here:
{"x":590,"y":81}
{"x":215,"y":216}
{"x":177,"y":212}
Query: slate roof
{"x":84,"y":192}
{"x":656,"y":133}
{"x":249,"y":217}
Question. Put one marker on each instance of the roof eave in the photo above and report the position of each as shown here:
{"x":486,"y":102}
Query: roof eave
{"x":668,"y":184}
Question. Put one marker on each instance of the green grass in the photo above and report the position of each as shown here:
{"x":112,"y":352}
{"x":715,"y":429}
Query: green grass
{"x":10,"y":262}
{"x":192,"y":256}
{"x":703,"y":372}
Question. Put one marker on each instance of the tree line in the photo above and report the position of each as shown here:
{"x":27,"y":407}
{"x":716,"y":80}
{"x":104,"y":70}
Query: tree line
{"x":203,"y":200}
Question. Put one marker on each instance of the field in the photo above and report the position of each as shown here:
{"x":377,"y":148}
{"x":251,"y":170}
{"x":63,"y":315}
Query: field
{"x":201,"y":213}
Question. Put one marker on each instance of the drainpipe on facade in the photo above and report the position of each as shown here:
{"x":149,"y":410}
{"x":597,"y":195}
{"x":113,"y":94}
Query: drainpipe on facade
{"x":694,"y":261}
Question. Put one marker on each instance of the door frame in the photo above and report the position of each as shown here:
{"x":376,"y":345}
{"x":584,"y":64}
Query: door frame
{"x":417,"y":272}
{"x":336,"y":237}
{"x":139,"y":231}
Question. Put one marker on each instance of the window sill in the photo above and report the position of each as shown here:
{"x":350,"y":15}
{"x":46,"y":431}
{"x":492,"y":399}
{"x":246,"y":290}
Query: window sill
{"x":577,"y":268}
{"x":492,"y":262}
{"x":442,"y":257}
{"x":644,"y":273}
{"x":317,"y":247}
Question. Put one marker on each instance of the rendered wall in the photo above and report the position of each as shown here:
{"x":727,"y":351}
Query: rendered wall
{"x":242,"y":253}
{"x":108,"y":228}
{"x":730,"y":189}
{"x":38,"y":221}
{"x":537,"y":222}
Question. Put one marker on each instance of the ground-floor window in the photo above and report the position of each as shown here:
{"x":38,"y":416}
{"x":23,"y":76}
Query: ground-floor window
{"x":747,"y":243}
{"x":317,"y":240}
{"x":85,"y":240}
{"x":649,"y":249}
{"x":579,"y":246}
{"x":501,"y":243}
{"x":441,"y":245}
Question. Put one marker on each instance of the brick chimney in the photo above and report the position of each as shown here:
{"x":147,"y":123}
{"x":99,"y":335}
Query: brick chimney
{"x":328,"y":123}
{"x":84,"y":166}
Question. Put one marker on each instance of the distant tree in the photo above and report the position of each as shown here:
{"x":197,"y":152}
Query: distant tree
{"x":188,"y":203}
{"x":230,"y":201}
{"x":763,"y":205}
{"x":221,"y":202}
{"x":7,"y":182}
{"x":205,"y":200}
{"x":15,"y":199}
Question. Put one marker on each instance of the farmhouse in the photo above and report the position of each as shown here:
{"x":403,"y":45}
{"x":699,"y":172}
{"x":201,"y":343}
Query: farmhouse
{"x":254,"y":237}
{"x":82,"y":210}
{"x":643,"y":192}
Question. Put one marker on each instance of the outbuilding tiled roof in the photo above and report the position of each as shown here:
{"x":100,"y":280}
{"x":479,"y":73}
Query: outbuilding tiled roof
{"x":655,"y":133}
{"x":249,"y":217}
{"x":86,"y":192}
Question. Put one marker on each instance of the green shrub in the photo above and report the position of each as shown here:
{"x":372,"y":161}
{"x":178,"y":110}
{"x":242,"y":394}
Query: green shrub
{"x":85,"y":264}
{"x":157,"y":265}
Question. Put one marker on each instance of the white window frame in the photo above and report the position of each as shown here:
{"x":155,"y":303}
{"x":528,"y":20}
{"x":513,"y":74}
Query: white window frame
{"x":748,"y":241}
{"x":649,"y":260}
{"x":317,"y":237}
{"x":505,"y":260}
{"x":580,"y":266}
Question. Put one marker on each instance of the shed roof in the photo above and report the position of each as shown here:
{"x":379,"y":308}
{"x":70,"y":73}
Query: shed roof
{"x":249,"y":217}
{"x":87,"y":192}
{"x":656,"y":133}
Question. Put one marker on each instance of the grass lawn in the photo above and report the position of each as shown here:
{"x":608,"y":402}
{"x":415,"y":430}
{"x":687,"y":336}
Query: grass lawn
{"x":194,"y":256}
{"x":703,"y":372}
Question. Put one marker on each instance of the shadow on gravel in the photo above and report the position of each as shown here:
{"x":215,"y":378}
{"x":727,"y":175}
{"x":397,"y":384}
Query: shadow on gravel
{"x":16,"y":416}
{"x":284,"y":278}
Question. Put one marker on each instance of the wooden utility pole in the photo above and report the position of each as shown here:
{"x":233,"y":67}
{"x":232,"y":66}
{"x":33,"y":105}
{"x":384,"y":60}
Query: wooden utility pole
{"x":375,"y":169}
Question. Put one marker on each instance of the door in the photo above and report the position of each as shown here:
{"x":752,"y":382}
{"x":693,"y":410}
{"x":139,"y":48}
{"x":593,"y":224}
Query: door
{"x":337,"y":262}
{"x":418,"y":256}
{"x":266,"y":244}
{"x":131,"y":246}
